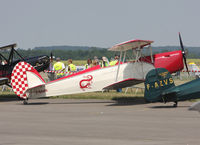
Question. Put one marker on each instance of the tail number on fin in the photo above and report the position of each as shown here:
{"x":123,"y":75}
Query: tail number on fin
{"x":86,"y":83}
{"x":160,"y":83}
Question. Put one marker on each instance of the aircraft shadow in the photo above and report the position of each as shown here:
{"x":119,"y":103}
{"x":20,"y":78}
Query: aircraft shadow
{"x":44,"y":103}
{"x":81,"y":102}
{"x":37,"y":103}
{"x":168,"y":106}
{"x":65,"y":101}
{"x":125,"y":101}
{"x":8,"y":97}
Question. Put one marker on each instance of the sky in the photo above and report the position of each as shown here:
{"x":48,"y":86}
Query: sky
{"x":98,"y":23}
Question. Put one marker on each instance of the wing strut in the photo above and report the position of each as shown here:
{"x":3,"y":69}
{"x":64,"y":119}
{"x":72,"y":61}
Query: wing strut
{"x":118,"y":65}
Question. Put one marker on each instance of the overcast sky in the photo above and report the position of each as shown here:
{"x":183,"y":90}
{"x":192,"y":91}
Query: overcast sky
{"x":100,"y":23}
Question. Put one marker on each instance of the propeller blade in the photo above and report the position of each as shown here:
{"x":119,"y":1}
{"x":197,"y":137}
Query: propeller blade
{"x":184,"y":58}
{"x":181,"y":43}
{"x":183,"y":52}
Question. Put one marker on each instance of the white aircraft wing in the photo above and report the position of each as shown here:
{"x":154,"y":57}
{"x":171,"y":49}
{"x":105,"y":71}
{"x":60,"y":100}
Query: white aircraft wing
{"x":131,"y":44}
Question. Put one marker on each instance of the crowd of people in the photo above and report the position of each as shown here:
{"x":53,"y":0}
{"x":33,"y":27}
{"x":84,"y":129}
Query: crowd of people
{"x":103,"y":63}
{"x":58,"y":69}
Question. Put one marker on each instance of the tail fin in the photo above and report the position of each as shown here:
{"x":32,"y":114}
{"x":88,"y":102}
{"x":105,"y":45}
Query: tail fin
{"x":157,"y":80}
{"x":25,"y":77}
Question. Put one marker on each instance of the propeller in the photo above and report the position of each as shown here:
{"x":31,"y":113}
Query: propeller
{"x":52,"y":57}
{"x":183,"y":52}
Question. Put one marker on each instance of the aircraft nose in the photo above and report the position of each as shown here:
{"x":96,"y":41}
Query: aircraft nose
{"x":44,"y":59}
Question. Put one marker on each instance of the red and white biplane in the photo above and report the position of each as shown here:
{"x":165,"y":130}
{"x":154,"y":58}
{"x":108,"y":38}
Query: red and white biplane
{"x":28,"y":83}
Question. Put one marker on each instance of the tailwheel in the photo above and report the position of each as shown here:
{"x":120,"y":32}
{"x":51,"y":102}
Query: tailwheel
{"x":175,"y":104}
{"x":25,"y":102}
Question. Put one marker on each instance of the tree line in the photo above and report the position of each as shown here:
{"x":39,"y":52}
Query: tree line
{"x":84,"y":54}
{"x":69,"y":54}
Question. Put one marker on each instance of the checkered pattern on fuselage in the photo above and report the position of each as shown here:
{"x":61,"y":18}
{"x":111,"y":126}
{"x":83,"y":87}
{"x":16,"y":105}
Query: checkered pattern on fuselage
{"x":19,"y":79}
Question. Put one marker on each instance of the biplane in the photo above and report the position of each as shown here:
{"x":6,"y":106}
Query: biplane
{"x":27,"y":82}
{"x":9,"y":57}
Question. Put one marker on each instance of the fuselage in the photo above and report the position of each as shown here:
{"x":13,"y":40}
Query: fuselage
{"x":95,"y":79}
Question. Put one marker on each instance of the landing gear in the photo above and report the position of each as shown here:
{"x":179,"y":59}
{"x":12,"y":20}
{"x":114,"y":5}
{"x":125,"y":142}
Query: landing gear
{"x":175,"y":104}
{"x":25,"y":102}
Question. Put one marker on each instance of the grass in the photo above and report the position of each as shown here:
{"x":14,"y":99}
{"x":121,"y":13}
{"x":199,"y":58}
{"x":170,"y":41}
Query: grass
{"x":83,"y":62}
{"x":99,"y":95}
{"x":111,"y":95}
{"x":197,"y":61}
{"x":76,"y":62}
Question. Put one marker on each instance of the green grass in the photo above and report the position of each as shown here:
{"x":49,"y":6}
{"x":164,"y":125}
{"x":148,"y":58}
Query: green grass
{"x":76,"y":62}
{"x":99,"y":95}
{"x":197,"y":61}
{"x":111,"y":95}
{"x":83,"y":62}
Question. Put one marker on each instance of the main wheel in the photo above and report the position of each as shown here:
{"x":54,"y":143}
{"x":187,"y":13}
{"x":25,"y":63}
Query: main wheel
{"x":175,"y":104}
{"x":25,"y":102}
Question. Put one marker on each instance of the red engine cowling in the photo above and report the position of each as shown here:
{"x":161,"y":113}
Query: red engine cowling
{"x":172,"y":61}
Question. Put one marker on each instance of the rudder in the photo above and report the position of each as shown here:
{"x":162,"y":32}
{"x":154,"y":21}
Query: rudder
{"x":24,"y":77}
{"x":156,"y":81}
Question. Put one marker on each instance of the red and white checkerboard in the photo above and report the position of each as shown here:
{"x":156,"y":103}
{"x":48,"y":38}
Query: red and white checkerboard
{"x":19,"y":79}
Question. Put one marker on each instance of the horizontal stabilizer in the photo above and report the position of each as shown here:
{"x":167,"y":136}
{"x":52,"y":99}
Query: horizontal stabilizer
{"x":170,"y":91}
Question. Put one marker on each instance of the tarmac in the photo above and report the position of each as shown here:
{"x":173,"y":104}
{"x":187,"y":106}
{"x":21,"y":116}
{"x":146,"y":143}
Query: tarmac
{"x":97,"y":122}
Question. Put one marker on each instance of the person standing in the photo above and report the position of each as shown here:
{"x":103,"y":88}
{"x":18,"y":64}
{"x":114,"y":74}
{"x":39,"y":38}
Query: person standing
{"x":59,"y":67}
{"x":105,"y":62}
{"x":89,"y":64}
{"x":71,"y":67}
{"x":97,"y":60}
{"x":115,"y":61}
{"x":51,"y":74}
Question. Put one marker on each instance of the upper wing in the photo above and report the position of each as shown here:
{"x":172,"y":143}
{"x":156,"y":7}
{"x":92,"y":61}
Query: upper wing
{"x":132,"y":44}
{"x":9,"y":46}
